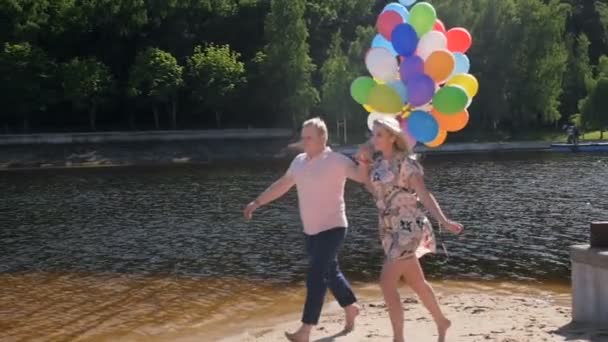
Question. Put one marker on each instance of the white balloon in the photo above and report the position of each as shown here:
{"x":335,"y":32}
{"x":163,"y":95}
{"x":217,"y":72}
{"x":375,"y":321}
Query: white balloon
{"x":375,"y":116}
{"x":431,"y":42}
{"x":381,"y":64}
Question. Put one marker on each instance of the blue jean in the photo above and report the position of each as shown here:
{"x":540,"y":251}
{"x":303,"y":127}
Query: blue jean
{"x":322,"y":250}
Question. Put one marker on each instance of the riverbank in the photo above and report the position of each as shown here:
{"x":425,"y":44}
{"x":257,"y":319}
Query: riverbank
{"x":506,"y":313}
{"x":476,"y":316}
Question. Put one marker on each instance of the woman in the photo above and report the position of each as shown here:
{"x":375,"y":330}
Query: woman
{"x":396,"y":181}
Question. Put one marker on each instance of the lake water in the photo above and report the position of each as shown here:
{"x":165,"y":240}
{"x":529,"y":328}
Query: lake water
{"x":114,"y":252}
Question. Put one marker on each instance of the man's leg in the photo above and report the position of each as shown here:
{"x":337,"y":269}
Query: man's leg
{"x":321,"y":253}
{"x":342,"y":291}
{"x":321,"y":249}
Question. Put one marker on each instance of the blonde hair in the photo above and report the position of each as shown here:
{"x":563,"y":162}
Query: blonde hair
{"x":319,"y":124}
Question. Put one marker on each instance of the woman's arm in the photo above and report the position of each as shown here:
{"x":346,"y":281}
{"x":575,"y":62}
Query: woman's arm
{"x":430,"y":203}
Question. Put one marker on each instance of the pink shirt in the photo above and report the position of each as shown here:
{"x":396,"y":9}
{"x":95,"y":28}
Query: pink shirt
{"x":320,"y":183}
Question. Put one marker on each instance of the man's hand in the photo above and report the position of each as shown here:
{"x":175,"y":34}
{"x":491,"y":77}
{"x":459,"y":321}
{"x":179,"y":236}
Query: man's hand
{"x":365,"y":153}
{"x":249,"y":209}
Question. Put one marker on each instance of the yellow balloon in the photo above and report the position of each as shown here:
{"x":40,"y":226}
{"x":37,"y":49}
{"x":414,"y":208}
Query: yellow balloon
{"x":368,"y":108}
{"x":466,"y":81}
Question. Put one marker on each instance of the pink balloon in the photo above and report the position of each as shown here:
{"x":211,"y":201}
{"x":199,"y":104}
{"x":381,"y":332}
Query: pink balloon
{"x":459,"y":40}
{"x":387,"y":21}
{"x":439,"y":26}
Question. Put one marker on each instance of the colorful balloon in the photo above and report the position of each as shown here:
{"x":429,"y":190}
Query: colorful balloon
{"x":381,"y":64}
{"x":385,"y":99}
{"x":431,"y":42}
{"x":375,"y":116}
{"x":404,"y":39}
{"x":423,"y":126}
{"x":407,"y":2}
{"x":459,"y":40}
{"x":401,"y":89}
{"x":451,"y":123}
{"x":387,"y":21}
{"x":450,"y":100}
{"x":440,"y":139}
{"x":422,"y":17}
{"x":468,"y":82}
{"x":411,"y":66}
{"x":381,"y":42}
{"x":360,"y":89}
{"x":439,"y":26}
{"x":409,"y":139}
{"x":439,"y":65}
{"x":420,"y":89}
{"x":368,"y":108}
{"x":399,"y":9}
{"x":463,"y":65}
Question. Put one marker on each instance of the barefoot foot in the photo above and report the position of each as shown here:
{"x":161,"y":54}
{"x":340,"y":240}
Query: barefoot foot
{"x":442,"y":329}
{"x":302,"y":335}
{"x":351,"y":311}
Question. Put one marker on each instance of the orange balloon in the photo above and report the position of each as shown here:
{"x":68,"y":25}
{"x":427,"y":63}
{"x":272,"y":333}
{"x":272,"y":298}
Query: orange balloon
{"x":439,"y":65}
{"x":451,"y":123}
{"x":439,"y":140}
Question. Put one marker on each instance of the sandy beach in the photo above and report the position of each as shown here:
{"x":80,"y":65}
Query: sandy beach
{"x":476,"y":316}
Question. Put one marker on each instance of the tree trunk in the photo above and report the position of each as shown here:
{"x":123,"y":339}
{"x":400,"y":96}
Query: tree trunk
{"x":218,"y":119}
{"x":155,"y":113}
{"x":26,"y":123}
{"x":174,"y":113}
{"x":92,"y":116}
{"x":294,"y":122}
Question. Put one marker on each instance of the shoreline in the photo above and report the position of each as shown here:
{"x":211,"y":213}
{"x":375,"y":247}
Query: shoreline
{"x":198,"y":153}
{"x":477,"y":312}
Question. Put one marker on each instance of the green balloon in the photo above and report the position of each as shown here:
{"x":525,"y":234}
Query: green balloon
{"x":422,"y":18}
{"x":385,"y":99}
{"x":450,"y":100}
{"x":360,"y":88}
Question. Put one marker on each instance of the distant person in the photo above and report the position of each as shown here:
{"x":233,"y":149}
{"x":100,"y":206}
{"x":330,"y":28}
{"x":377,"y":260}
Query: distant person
{"x":397,"y":183}
{"x":319,"y":175}
{"x":573,"y":134}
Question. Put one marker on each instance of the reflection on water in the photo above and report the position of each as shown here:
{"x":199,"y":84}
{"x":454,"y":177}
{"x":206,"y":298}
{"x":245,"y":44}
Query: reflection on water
{"x":109,"y":252}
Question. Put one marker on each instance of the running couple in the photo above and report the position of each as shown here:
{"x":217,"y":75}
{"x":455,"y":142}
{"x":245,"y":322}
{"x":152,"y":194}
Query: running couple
{"x":396,"y":182}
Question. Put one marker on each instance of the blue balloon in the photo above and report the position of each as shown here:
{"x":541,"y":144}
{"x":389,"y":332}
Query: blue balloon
{"x":463,"y":65}
{"x":400,"y":89}
{"x":407,"y":2}
{"x":420,"y":89}
{"x":405,"y":39}
{"x":422,"y":126}
{"x":381,"y":42}
{"x":403,"y":12}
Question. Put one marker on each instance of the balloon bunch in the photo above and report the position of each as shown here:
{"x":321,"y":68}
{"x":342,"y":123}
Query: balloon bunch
{"x":420,"y":73}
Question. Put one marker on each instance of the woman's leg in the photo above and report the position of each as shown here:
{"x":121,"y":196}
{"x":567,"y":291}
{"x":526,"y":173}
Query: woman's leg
{"x":415,"y":278}
{"x":389,"y":282}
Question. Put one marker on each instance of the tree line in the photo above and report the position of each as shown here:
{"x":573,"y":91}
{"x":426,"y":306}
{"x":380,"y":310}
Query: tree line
{"x":70,"y":65}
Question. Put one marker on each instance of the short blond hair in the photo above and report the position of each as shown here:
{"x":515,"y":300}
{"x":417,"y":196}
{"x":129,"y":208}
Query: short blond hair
{"x":319,"y":124}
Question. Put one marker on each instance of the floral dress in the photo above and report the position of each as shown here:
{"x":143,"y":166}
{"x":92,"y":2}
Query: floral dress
{"x":405,"y":231}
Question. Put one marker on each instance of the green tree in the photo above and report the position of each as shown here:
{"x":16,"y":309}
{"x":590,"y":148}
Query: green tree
{"x":26,"y":81}
{"x":214,"y":74}
{"x":578,"y":73}
{"x":87,"y":84}
{"x":156,"y":77}
{"x":336,"y":102}
{"x":594,"y":108}
{"x":288,"y":64}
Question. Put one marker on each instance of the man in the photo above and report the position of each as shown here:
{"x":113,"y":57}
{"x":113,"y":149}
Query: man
{"x":319,"y":175}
